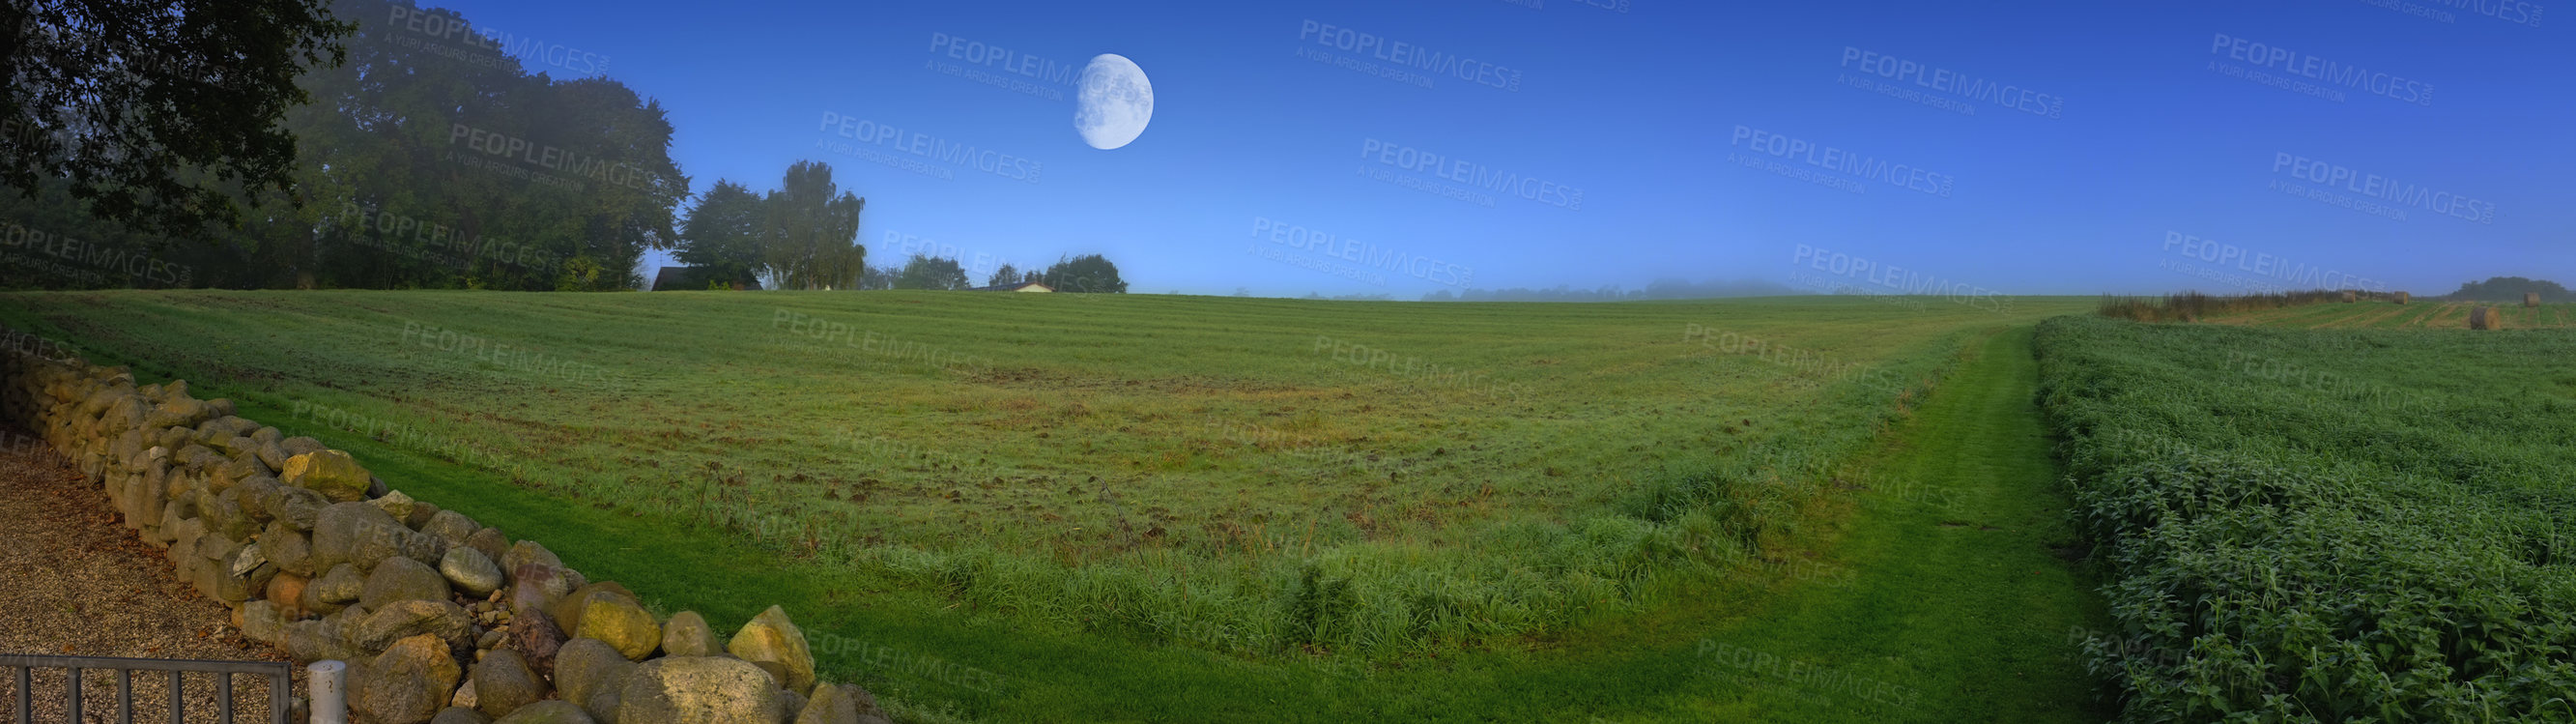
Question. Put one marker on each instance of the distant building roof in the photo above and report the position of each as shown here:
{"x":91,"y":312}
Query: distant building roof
{"x":1020,"y":287}
{"x":689,"y":278}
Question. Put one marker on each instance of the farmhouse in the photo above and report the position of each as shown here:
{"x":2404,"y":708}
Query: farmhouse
{"x":689,"y":278}
{"x":1020,"y":287}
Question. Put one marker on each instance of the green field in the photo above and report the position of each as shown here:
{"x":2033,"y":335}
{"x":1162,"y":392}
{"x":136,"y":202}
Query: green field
{"x":1424,"y":501}
{"x":2325,"y":525}
{"x":2421,"y":314}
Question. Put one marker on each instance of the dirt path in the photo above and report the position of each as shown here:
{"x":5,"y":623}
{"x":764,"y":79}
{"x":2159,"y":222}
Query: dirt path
{"x":77,"y":583}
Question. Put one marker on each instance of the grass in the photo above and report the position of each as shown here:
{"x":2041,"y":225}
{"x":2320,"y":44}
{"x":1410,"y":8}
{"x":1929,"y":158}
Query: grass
{"x":2325,"y":525}
{"x":1956,"y":596}
{"x":2421,"y":314}
{"x":1124,"y":507}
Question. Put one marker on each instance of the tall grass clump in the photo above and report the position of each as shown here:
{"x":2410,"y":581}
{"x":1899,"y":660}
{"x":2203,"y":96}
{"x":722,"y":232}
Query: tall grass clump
{"x":2289,"y":552}
{"x":2192,"y":306}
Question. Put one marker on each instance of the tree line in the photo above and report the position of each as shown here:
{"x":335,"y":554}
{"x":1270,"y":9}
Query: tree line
{"x":368,"y":144}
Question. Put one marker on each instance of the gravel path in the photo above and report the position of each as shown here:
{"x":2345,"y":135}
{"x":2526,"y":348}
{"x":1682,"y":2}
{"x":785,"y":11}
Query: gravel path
{"x":75,"y":582}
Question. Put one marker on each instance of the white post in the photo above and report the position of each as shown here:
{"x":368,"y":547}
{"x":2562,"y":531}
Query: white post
{"x":328,"y":682}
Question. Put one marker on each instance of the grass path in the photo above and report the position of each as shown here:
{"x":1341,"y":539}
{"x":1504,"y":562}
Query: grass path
{"x":1957,"y":607}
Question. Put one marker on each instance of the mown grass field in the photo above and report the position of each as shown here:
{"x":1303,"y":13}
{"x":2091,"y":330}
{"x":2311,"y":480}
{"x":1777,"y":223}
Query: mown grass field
{"x":2421,"y":314}
{"x":2326,"y":525}
{"x":1383,"y":509}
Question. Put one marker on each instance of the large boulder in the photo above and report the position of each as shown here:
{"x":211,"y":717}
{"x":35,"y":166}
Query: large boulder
{"x":290,"y":550}
{"x":470,"y":571}
{"x":549,"y":712}
{"x":340,"y":585}
{"x":299,"y":508}
{"x":263,"y":621}
{"x":363,"y":534}
{"x":699,"y":690}
{"x":503,"y":683}
{"x":535,"y":635}
{"x":841,"y":704}
{"x":224,"y":516}
{"x":460,"y":715}
{"x":421,"y":512}
{"x":319,"y":641}
{"x":591,"y":673}
{"x":407,"y":684}
{"x":330,"y":472}
{"x":537,"y":585}
{"x":621,"y":622}
{"x":403,"y":579}
{"x":569,"y":609}
{"x":300,"y":445}
{"x":687,"y":634}
{"x":450,"y":526}
{"x":286,"y":590}
{"x":493,"y":545}
{"x":526,"y":552}
{"x":406,"y":619}
{"x":396,"y":504}
{"x":771,"y":637}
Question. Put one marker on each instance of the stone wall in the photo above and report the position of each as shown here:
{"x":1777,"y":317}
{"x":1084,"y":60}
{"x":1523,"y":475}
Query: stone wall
{"x":440,"y":618}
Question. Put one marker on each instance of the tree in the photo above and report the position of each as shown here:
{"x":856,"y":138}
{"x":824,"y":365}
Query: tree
{"x":722,"y":237}
{"x":809,"y":236}
{"x":1007,"y":274}
{"x":931,"y":272}
{"x":157,"y":112}
{"x":2511,"y":289}
{"x":1091,"y":273}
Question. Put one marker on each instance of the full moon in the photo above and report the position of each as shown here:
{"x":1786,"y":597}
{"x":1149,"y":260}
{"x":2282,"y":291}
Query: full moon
{"x":1116,"y":104}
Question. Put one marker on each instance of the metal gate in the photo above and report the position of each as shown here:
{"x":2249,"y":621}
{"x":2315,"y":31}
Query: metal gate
{"x":21,"y":668}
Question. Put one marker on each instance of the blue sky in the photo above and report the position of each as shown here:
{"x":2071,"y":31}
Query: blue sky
{"x":2032,"y":147}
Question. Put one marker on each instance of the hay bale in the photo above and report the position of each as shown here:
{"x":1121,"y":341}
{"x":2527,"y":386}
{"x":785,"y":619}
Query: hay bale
{"x":2401,"y":297}
{"x":2350,"y":296}
{"x":2531,"y":299}
{"x":2486,"y":318}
